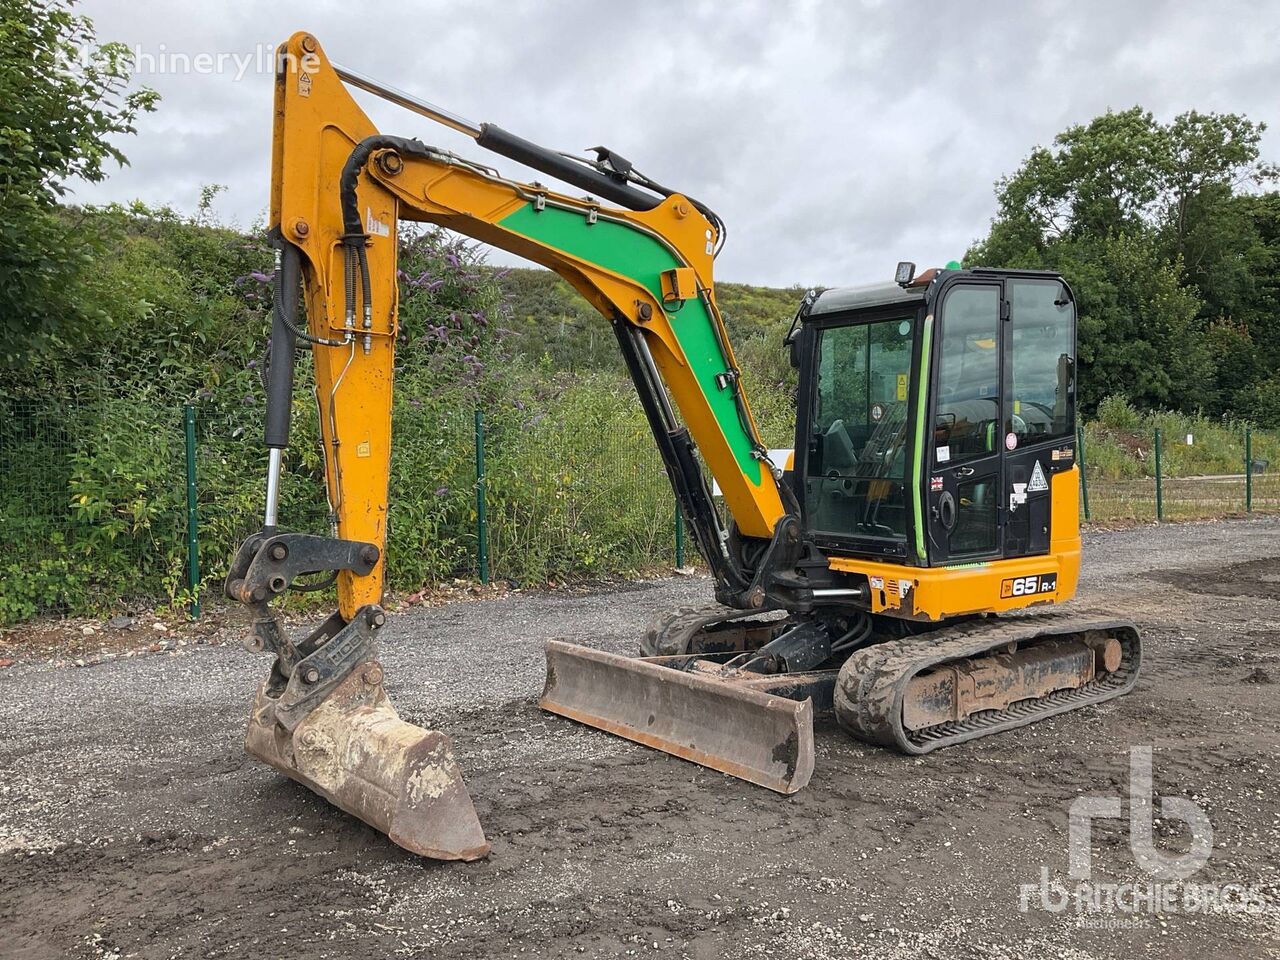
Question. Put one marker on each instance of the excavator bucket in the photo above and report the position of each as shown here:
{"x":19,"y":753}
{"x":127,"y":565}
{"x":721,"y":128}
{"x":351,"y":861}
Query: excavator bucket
{"x":746,"y":731}
{"x":355,"y":751}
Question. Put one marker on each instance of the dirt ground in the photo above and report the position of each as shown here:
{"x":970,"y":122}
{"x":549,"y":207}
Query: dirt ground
{"x":132,"y":824}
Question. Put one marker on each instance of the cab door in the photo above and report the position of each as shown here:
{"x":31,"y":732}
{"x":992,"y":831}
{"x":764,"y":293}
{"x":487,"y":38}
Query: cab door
{"x":965,"y":442}
{"x":1039,"y":397}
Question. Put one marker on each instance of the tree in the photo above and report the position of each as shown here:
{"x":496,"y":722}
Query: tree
{"x":62,"y":98}
{"x":1139,"y":334}
{"x":1171,"y":256}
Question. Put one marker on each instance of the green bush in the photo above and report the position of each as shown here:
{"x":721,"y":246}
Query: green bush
{"x":1262,"y":401}
{"x":575,"y":483}
{"x":1107,"y":457}
{"x":49,"y":583}
{"x":57,"y":126}
{"x":1118,"y":413}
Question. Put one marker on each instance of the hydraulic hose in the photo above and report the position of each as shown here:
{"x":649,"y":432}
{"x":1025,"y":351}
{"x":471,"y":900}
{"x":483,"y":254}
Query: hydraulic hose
{"x":288,"y":317}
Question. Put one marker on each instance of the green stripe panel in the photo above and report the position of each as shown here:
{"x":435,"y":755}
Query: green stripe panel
{"x":631,"y":253}
{"x":917,"y":464}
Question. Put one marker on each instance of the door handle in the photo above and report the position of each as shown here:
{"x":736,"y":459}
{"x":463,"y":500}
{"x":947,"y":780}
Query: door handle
{"x":965,"y":472}
{"x":946,"y":512}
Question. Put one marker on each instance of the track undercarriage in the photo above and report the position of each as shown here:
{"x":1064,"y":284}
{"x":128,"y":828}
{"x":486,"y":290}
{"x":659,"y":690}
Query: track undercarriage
{"x":737,"y":691}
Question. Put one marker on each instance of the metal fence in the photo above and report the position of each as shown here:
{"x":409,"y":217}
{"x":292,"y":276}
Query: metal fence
{"x":83,"y":529}
{"x":1161,"y":497}
{"x":80,"y":524}
{"x":109,"y":501}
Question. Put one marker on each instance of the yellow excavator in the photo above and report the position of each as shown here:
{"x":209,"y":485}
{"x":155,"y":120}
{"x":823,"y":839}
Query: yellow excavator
{"x":933,"y":483}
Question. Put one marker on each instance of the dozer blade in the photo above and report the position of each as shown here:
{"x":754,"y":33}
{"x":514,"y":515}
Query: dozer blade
{"x":355,"y":751}
{"x":699,"y":716}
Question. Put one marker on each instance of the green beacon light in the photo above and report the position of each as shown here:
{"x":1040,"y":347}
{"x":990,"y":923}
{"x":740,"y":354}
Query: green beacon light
{"x":953,"y":265}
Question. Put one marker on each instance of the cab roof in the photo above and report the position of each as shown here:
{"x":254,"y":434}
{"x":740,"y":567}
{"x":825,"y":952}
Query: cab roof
{"x":871,"y":295}
{"x":840,"y":299}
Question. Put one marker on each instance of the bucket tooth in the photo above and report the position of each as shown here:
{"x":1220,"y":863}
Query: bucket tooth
{"x":756,"y":736}
{"x":355,"y":751}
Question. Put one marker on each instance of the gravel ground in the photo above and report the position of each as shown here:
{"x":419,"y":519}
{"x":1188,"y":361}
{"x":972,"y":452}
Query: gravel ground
{"x":132,"y":824}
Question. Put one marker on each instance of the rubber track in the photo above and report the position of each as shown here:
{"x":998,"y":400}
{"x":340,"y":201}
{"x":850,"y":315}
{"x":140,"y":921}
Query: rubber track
{"x":671,"y":633}
{"x":871,"y":684}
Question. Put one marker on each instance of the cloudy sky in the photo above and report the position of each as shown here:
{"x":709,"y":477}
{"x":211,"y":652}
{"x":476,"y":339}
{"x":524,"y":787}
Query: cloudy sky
{"x":835,"y":138}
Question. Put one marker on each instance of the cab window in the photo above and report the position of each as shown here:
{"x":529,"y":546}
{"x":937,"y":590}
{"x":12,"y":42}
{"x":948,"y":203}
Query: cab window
{"x":858,"y":439}
{"x":1041,"y":371}
{"x":968,"y":405}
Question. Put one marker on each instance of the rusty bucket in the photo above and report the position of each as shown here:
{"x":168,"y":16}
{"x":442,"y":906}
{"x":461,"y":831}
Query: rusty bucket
{"x":355,"y":751}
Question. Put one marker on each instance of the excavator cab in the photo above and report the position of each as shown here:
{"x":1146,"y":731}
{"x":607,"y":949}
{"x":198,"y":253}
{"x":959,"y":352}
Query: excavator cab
{"x":985,"y":416}
{"x":853,"y":448}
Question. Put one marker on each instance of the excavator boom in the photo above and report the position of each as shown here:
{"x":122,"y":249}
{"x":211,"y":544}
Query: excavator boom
{"x":339,"y":191}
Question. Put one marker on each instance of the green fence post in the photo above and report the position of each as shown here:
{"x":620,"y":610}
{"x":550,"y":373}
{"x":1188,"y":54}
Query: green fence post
{"x":1084,"y":484}
{"x":1248,"y":470}
{"x":1159,"y":481}
{"x":193,"y":538}
{"x":482,"y":525}
{"x":679,"y":535}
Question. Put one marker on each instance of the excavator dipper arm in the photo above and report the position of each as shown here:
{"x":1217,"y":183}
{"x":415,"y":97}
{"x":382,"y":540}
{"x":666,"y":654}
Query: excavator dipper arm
{"x":339,"y":191}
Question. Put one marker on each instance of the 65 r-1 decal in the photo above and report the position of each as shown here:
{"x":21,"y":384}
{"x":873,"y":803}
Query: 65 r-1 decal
{"x":1029,"y":586}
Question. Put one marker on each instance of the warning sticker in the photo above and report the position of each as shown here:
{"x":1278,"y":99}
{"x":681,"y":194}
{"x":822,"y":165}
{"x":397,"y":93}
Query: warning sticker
{"x":1017,"y":497}
{"x":1037,"y":483}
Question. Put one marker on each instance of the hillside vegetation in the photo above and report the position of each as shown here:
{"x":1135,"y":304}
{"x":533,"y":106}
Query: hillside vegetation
{"x":552,"y":326}
{"x":93,"y":508}
{"x":552,"y":320}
